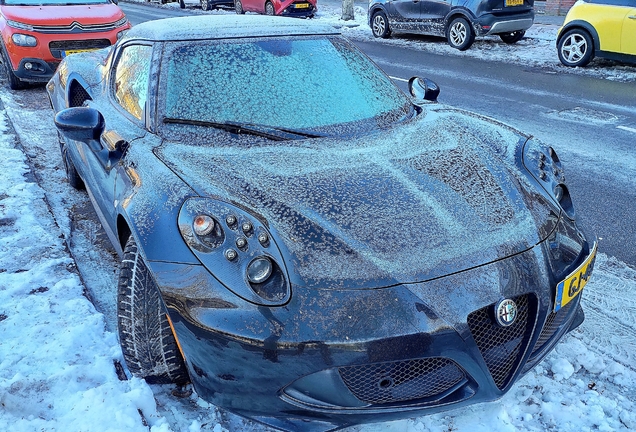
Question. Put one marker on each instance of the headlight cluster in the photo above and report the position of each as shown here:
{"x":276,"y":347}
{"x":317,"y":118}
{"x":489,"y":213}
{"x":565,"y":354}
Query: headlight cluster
{"x":24,"y":40}
{"x":545,"y":166}
{"x":237,"y":249}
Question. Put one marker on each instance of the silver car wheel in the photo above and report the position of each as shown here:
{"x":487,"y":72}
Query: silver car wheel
{"x":574,"y":48}
{"x":458,"y":33}
{"x":379,"y":26}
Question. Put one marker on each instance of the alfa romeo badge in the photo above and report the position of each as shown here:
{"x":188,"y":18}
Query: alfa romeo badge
{"x":506,"y":312}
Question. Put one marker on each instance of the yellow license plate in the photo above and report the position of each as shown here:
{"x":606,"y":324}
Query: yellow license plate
{"x":302,"y":5}
{"x":69,"y":52}
{"x":572,"y":285}
{"x":514,"y":2}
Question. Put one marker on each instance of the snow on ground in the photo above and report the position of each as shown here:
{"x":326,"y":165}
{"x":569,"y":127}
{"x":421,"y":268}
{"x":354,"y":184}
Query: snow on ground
{"x":57,"y":352}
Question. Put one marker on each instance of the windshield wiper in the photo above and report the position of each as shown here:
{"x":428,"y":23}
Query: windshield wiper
{"x":270,"y":132}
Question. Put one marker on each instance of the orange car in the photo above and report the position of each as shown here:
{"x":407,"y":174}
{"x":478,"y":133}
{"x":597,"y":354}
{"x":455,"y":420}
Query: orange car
{"x":38,"y":34}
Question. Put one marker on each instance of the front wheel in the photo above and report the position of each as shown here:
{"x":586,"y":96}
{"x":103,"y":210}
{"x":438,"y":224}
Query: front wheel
{"x":149,"y":346}
{"x":182,"y":4}
{"x":205,"y":5}
{"x":460,"y":34}
{"x":269,"y":9}
{"x":380,"y":25}
{"x":238,"y":7}
{"x":576,"y":48}
{"x":72,"y":176}
{"x":512,"y":37}
{"x":14,"y":82}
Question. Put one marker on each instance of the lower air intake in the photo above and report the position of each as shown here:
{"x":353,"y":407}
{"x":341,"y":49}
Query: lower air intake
{"x":389,"y":382}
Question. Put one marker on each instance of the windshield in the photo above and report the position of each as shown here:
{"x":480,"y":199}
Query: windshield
{"x":294,"y":83}
{"x":53,"y":2}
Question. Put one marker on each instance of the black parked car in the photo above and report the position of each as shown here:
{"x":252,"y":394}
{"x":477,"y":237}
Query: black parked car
{"x":459,"y":21}
{"x":307,"y":244}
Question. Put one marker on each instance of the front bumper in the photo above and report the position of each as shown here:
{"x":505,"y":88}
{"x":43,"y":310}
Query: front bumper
{"x":341,"y":357}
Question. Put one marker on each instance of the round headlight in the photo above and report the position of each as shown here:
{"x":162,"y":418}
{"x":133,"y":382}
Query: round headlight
{"x":259,"y":270}
{"x":203,"y":225}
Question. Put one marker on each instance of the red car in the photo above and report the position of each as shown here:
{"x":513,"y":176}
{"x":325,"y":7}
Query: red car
{"x":38,"y":34}
{"x":291,"y":8}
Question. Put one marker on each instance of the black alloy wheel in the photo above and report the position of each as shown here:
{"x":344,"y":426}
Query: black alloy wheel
{"x":269,"y":9}
{"x":380,"y":25}
{"x":238,"y":7}
{"x":460,"y":34}
{"x":576,"y":48}
{"x":149,"y":346}
{"x":512,"y":37}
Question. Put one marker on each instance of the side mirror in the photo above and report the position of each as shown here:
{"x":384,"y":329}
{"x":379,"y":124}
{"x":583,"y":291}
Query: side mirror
{"x":80,"y":124}
{"x":423,"y":89}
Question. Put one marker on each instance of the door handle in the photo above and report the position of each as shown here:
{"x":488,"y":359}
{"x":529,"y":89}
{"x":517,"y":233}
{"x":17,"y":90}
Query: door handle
{"x":632,"y":17}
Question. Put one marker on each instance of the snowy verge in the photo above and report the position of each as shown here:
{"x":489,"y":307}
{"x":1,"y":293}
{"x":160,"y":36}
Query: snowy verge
{"x":56,"y":360}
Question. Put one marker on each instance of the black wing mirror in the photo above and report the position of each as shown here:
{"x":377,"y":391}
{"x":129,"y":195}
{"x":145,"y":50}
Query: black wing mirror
{"x":423,"y":89}
{"x":80,"y":124}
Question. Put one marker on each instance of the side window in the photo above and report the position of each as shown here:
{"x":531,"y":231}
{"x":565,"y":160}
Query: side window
{"x":130,"y":86}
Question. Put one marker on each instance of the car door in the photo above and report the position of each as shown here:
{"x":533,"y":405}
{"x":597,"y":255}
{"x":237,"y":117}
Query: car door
{"x":433,"y":13}
{"x":607,"y":17}
{"x":405,"y":13}
{"x":124,"y":117}
{"x":628,"y":37}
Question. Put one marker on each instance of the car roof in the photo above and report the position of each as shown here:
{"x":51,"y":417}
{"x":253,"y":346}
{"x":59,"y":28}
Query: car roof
{"x":226,"y":27}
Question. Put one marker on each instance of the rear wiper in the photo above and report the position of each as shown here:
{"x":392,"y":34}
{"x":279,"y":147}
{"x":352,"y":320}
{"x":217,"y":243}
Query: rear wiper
{"x":270,"y":132}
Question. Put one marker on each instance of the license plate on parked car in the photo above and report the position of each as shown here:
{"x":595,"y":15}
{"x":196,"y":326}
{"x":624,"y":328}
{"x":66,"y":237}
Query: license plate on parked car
{"x":572,"y":285}
{"x":302,"y":5}
{"x":514,"y":2}
{"x":69,"y":52}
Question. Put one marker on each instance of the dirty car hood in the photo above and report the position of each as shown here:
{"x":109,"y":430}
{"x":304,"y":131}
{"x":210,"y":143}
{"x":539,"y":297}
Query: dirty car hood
{"x":417,"y":202}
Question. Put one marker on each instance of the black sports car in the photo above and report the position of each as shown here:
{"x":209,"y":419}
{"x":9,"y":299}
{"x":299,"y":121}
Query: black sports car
{"x":305,"y":243}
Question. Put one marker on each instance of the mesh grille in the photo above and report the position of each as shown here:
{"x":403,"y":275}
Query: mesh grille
{"x":552,"y":324}
{"x":389,"y":382}
{"x":501,"y":347}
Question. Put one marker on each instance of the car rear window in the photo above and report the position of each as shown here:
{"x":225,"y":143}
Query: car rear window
{"x":311,"y":82}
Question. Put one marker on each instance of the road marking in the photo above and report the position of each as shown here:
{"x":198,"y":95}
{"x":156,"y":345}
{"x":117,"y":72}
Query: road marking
{"x":398,"y":79}
{"x":625,"y":128}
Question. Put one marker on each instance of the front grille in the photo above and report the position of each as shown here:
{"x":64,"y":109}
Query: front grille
{"x":389,"y":382}
{"x":551,"y":326}
{"x":76,"y":27}
{"x":501,"y":347}
{"x":57,"y":47}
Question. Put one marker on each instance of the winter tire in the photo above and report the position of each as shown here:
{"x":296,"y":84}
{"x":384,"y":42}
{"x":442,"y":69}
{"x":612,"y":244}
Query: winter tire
{"x":380,"y":25}
{"x":72,"y":176}
{"x":205,"y":5}
{"x":238,"y":7}
{"x":460,"y":34}
{"x":182,"y":4}
{"x":14,"y":82}
{"x":269,"y":9}
{"x":149,"y":347}
{"x":576,"y":48}
{"x":512,"y":37}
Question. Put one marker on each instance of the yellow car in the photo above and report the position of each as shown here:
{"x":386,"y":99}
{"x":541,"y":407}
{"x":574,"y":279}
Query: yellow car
{"x":603,"y":28}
